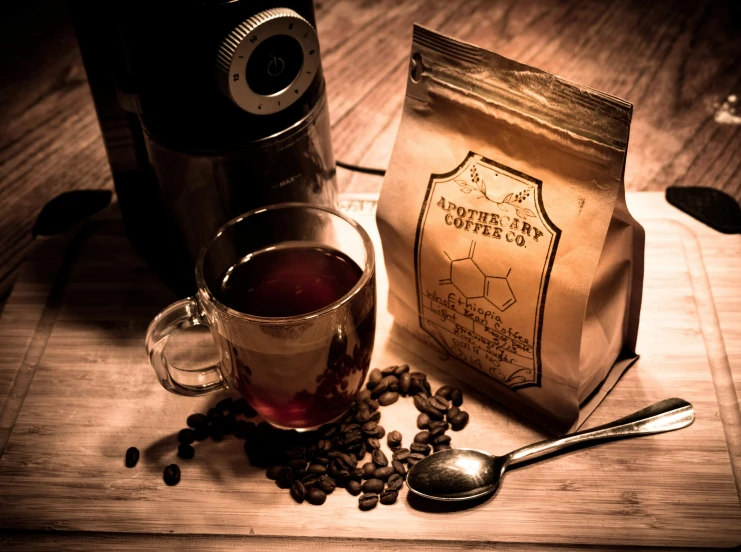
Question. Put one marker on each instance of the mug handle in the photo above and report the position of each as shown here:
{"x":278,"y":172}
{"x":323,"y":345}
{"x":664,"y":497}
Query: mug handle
{"x":179,"y":316}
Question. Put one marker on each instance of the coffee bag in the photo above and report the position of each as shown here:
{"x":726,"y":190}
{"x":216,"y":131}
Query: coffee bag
{"x":508,"y":245}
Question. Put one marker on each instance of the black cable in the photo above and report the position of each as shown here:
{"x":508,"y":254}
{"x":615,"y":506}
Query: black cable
{"x":357,"y":168}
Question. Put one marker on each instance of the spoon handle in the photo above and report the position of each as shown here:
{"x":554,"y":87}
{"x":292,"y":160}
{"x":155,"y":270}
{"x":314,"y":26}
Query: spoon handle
{"x":666,"y":415}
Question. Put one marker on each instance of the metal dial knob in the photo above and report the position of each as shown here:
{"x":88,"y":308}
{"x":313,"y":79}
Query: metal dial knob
{"x":267,"y":62}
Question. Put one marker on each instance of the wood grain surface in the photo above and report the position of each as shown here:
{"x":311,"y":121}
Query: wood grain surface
{"x":677,"y":61}
{"x":91,"y":394}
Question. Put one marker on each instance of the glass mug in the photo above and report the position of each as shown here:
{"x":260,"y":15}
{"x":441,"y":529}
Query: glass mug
{"x":289,"y":294}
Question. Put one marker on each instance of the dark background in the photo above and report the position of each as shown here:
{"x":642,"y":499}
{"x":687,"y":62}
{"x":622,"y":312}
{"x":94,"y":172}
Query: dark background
{"x":678,"y":62}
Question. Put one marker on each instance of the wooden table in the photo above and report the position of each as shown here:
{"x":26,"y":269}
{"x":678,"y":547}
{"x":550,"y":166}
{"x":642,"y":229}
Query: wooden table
{"x":76,"y":390}
{"x":677,"y":61}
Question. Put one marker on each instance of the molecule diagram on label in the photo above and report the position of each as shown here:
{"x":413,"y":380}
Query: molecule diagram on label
{"x":473,"y":283}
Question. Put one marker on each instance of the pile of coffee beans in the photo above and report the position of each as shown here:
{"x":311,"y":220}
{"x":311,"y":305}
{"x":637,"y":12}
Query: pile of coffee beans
{"x":312,"y":465}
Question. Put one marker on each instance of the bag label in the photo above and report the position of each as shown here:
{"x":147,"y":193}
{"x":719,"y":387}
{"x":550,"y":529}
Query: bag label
{"x":483,"y":256}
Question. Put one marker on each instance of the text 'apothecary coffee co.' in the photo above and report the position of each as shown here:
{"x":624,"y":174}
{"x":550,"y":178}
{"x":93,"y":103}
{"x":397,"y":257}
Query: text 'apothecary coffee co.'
{"x":476,"y":301}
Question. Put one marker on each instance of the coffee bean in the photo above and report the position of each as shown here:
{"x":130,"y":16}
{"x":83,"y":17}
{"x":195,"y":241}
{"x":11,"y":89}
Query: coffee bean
{"x":456,"y":396}
{"x":420,"y":402}
{"x":388,"y":497}
{"x":214,"y":415}
{"x":422,"y":437}
{"x":441,"y":440}
{"x":273,"y":472}
{"x":393,"y":388}
{"x":405,"y":382}
{"x":459,"y":421}
{"x":241,"y":427}
{"x":186,"y":436}
{"x":197,"y":420}
{"x":171,"y":475}
{"x":379,"y":458}
{"x":343,"y":478}
{"x":437,"y":431}
{"x":402,"y":369}
{"x":132,"y":457}
{"x":373,"y":405}
{"x":373,"y":486}
{"x":348,"y":427}
{"x":324,"y":445}
{"x":316,"y":496}
{"x":389,"y":397}
{"x":352,"y":437}
{"x":423,"y":421}
{"x":363,"y":415}
{"x":452,"y":412}
{"x":399,"y":468}
{"x":297,"y":464}
{"x":186,"y":452}
{"x":383,"y":386}
{"x":317,"y":469}
{"x":373,"y":443}
{"x":363,"y":449}
{"x":394,"y":439}
{"x":439,"y":403}
{"x":384,"y":473}
{"x":326,"y":484}
{"x":438,"y":423}
{"x":415,"y":385}
{"x":321,"y":460}
{"x":368,"y":501}
{"x":357,"y":474}
{"x":438,"y":448}
{"x":347,"y":461}
{"x":201,"y":433}
{"x":444,"y":392}
{"x":401,"y":454}
{"x":380,"y":432}
{"x":434,"y":413}
{"x":420,"y":448}
{"x":363,"y":395}
{"x":395,"y":482}
{"x":373,"y":378}
{"x":310,"y":480}
{"x":298,"y":491}
{"x":368,"y":469}
{"x":369,"y":428}
{"x":241,"y":406}
{"x":353,"y":487}
{"x":285,"y":477}
{"x":414,"y":458}
{"x":327,"y":431}
{"x":389,"y":371}
{"x":426,"y":387}
{"x":375,"y":416}
{"x":225,"y":405}
{"x":216,"y":431}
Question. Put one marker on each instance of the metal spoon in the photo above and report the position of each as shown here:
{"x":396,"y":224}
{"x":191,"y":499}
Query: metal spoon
{"x":463,"y":474}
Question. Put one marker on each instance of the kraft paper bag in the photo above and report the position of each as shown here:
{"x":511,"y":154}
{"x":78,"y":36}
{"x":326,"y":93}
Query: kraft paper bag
{"x":512,"y":258}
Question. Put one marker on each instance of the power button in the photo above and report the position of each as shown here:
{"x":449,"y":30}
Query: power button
{"x":274,"y":64}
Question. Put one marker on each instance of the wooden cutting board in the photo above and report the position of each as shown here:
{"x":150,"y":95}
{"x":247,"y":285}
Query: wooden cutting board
{"x":76,"y":391}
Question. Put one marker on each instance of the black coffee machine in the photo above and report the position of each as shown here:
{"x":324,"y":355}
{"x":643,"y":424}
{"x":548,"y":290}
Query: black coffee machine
{"x":208,"y":108}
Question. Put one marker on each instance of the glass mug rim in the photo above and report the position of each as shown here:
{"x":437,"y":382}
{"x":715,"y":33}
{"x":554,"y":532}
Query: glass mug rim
{"x":368,"y":269}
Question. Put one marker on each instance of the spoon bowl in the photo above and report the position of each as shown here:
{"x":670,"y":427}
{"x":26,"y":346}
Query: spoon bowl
{"x":465,"y":474}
